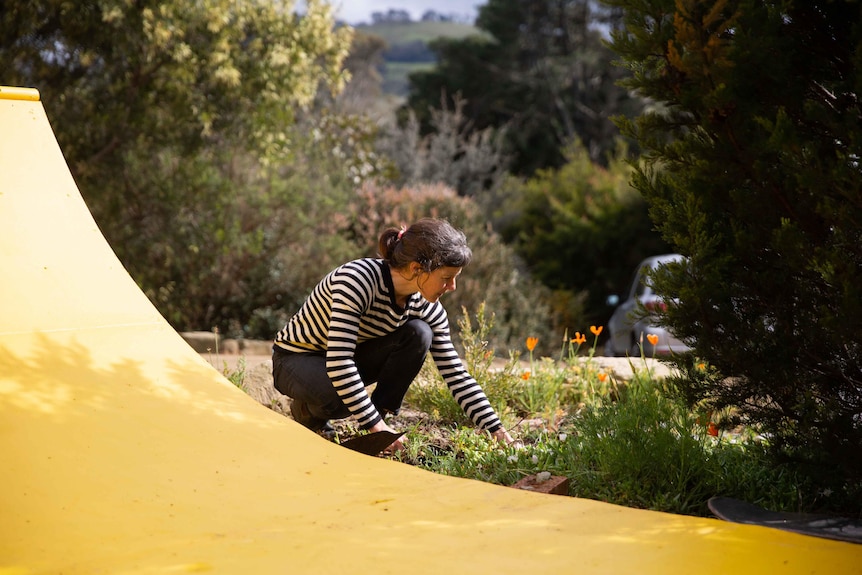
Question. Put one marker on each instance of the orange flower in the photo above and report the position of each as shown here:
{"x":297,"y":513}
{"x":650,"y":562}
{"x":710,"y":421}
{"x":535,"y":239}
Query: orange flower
{"x":712,"y":429}
{"x":701,"y":366}
{"x":531,"y":343}
{"x":602,"y":376}
{"x":579,"y":338}
{"x":596,"y":330}
{"x":652,"y":338}
{"x":525,"y":376}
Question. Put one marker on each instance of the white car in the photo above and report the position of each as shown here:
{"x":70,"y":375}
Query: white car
{"x":633,"y":321}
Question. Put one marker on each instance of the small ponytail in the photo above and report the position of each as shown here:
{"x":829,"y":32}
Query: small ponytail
{"x":386,"y":244}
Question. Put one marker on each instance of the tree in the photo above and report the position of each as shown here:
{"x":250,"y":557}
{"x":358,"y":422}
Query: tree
{"x":541,"y":70}
{"x":751,"y":168}
{"x":178,"y":75}
{"x":471,"y":162}
{"x":178,"y":123}
{"x":364,"y":92}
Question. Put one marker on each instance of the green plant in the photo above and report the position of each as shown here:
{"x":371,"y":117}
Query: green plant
{"x":634,"y":443}
{"x":641,"y":450}
{"x":541,"y":68}
{"x":178,"y":122}
{"x":582,"y":227}
{"x":430,"y":395}
{"x":237,"y":375}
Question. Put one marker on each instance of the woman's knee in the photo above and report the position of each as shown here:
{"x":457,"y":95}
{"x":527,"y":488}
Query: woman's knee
{"x":420,"y":334}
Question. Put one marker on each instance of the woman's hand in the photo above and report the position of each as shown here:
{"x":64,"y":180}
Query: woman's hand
{"x":397,"y":445}
{"x":502,"y":436}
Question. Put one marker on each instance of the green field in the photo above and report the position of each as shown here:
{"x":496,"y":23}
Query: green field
{"x":403,"y":33}
{"x":394,"y":33}
{"x":395,"y":76}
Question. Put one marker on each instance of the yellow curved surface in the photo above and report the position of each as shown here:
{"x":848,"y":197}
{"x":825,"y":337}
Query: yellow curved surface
{"x":124,"y":452}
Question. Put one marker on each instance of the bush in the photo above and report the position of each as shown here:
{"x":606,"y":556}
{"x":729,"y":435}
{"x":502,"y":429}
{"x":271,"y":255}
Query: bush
{"x":583,"y":229}
{"x":646,"y":450}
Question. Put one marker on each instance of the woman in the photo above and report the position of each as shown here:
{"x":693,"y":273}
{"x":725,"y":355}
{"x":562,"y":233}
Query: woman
{"x":374,"y":321}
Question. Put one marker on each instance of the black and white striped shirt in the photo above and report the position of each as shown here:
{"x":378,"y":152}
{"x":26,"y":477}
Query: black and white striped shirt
{"x":356,"y":302}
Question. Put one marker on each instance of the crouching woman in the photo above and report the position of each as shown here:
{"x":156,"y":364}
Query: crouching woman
{"x":373,"y":321}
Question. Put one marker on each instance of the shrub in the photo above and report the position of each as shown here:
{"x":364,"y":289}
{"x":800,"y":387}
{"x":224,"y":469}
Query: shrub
{"x":582,"y":228}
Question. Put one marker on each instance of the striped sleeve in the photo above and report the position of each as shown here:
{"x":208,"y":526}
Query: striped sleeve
{"x":329,"y":323}
{"x":464,"y":388}
{"x":352,"y":295}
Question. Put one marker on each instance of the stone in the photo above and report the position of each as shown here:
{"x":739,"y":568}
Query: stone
{"x":544,"y":482}
{"x":201,"y":341}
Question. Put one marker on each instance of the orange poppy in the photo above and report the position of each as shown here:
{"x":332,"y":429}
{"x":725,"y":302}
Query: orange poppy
{"x":652,"y":338}
{"x":531,"y":343}
{"x":525,"y":376}
{"x":596,"y":330}
{"x":602,"y":376}
{"x":579,"y":338}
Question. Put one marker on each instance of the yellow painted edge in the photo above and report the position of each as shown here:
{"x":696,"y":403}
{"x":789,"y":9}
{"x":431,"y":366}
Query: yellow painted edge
{"x":16,"y":93}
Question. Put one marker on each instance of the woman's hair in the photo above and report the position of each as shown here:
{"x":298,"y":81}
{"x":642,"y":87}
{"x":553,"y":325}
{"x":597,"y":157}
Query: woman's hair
{"x":430,"y":242}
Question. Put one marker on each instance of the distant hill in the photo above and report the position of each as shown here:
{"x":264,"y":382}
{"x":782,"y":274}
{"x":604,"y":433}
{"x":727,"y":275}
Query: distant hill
{"x":408,"y":48}
{"x":406,"y":32}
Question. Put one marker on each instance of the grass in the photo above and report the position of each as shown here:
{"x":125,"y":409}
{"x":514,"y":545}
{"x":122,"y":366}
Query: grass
{"x":627,"y":442}
{"x":395,"y":75}
{"x":235,"y":376}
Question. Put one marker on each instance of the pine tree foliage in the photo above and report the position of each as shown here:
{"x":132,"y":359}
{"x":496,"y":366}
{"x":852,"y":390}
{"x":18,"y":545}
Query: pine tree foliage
{"x":751,"y":168}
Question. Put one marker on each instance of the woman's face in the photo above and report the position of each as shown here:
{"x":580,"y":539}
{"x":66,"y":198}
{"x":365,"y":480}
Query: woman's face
{"x":432,"y":285}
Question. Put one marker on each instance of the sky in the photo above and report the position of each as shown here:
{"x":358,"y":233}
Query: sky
{"x":359,"y":11}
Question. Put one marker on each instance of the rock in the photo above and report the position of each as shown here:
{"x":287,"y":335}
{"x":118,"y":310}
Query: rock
{"x":256,"y":347}
{"x":257,"y":383}
{"x":201,"y":341}
{"x":229,"y":347}
{"x":544,"y":482}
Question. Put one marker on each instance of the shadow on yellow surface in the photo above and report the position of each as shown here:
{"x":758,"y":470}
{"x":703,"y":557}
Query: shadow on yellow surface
{"x":125,"y":452}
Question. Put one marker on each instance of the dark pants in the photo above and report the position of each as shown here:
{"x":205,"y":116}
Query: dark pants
{"x":392,"y":361}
